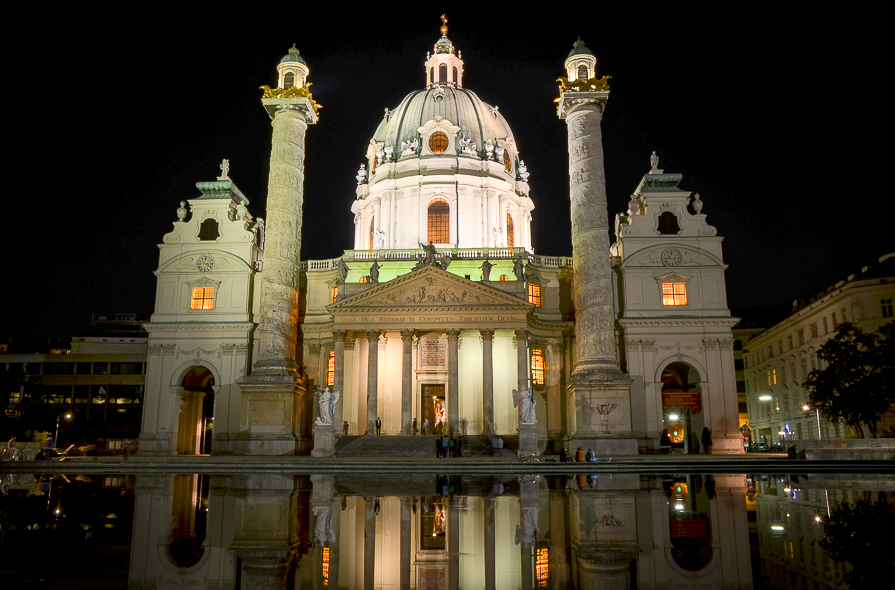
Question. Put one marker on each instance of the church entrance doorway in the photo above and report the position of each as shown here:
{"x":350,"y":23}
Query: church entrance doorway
{"x":194,"y":425}
{"x":434,"y":408}
{"x":682,"y":407}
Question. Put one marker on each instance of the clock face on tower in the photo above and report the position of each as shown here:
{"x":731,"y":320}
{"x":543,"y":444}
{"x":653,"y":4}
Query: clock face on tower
{"x":671,"y":258}
{"x":205,"y":263}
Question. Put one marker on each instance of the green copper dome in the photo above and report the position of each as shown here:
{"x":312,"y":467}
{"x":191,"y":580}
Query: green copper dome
{"x":293,"y":56}
{"x":477,"y":120}
{"x":580,"y":49}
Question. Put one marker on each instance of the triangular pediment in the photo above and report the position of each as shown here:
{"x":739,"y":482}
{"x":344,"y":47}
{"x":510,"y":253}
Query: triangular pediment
{"x":429,"y":288}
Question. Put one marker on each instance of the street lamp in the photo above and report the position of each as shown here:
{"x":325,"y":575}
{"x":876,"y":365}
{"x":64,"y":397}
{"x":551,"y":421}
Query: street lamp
{"x":58,"y":419}
{"x":806,"y":408}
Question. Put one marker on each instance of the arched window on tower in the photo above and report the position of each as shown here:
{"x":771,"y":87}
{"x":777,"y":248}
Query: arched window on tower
{"x":431,"y":75}
{"x":582,"y":73}
{"x":455,"y":74}
{"x":442,"y":74}
{"x":438,"y":220}
{"x":510,"y":232}
{"x":668,"y":224}
{"x":372,"y":229}
{"x":289,"y":80}
{"x":208,"y":230}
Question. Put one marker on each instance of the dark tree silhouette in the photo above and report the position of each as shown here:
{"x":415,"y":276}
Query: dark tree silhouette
{"x":855,"y":384}
{"x":863,"y":535}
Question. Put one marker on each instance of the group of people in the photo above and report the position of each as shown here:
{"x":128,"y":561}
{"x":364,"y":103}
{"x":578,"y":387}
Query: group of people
{"x":448,"y":446}
{"x":580,"y":456}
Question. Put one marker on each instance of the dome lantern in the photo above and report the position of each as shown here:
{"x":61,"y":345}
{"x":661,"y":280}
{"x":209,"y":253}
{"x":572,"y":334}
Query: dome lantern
{"x":581,"y":65}
{"x":292,"y":71}
{"x":444,"y":67}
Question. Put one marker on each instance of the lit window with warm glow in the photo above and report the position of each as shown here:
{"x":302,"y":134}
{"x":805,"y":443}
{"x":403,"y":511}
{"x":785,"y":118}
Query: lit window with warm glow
{"x":542,"y":567}
{"x":438,"y":218}
{"x":674,"y":294}
{"x":324,"y":565}
{"x":504,"y":278}
{"x":534,"y":294}
{"x":335,"y":293}
{"x":372,"y":231}
{"x":438,"y":142}
{"x":203,"y":298}
{"x":510,"y":232}
{"x":538,"y":366}
{"x":331,"y":368}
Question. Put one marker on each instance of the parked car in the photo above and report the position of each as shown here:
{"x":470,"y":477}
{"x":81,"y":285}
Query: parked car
{"x":759,"y":447}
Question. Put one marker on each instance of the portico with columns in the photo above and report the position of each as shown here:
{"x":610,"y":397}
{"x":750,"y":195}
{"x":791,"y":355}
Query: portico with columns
{"x":430,"y":344}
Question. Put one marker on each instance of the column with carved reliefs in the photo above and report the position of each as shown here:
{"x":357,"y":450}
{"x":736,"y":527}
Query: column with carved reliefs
{"x":272,"y":393}
{"x":598,"y":390}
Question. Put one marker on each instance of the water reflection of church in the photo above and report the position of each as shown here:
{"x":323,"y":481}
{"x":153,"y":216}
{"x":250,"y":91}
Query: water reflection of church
{"x":441,"y":308}
{"x":272,"y":531}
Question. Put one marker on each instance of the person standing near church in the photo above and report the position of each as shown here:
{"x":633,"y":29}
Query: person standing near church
{"x":378,"y":426}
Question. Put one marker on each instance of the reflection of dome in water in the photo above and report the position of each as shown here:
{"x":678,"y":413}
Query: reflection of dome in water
{"x":442,"y":167}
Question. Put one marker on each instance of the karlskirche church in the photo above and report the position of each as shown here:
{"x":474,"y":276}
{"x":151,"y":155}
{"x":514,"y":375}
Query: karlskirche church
{"x":441,"y":319}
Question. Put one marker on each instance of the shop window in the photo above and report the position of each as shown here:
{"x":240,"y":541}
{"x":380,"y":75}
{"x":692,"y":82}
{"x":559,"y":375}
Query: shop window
{"x":203,"y":298}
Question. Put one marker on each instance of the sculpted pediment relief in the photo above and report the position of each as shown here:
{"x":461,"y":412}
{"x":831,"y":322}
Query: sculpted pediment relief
{"x":428,"y":288}
{"x":215,"y":260}
{"x":671,"y":255}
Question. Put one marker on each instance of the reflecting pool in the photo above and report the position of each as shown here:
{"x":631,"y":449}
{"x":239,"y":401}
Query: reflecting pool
{"x":606,"y":531}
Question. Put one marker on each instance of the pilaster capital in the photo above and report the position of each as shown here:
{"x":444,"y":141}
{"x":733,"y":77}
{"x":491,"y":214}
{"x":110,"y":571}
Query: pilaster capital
{"x":487,"y":333}
{"x":453,"y":335}
{"x":339,"y":335}
{"x":407,"y":335}
{"x":373,"y":335}
{"x":314,"y":349}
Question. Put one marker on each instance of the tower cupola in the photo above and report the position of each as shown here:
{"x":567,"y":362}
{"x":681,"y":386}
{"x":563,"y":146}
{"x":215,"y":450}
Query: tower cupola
{"x":292,"y":70}
{"x":444,"y":67}
{"x":581,"y":65}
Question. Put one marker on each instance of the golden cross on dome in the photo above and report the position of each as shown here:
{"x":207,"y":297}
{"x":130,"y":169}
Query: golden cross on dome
{"x":444,"y":28}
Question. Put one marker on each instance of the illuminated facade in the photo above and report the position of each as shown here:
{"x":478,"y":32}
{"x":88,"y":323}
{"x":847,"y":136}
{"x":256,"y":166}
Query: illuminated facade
{"x":442,"y":308}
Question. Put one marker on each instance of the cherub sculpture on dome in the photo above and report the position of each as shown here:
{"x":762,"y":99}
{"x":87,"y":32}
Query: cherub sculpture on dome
{"x":467,"y":146}
{"x":410,"y":146}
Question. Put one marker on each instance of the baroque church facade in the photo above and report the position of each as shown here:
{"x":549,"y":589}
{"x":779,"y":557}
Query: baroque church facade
{"x":441,"y":318}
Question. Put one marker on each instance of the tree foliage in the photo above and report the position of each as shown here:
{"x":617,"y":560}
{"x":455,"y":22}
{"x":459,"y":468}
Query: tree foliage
{"x":863,"y":535}
{"x":856,"y":383}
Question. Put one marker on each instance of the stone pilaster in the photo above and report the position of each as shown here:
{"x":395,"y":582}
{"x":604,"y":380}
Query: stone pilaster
{"x":372,"y":379}
{"x":271,"y":394}
{"x":338,"y":376}
{"x":453,"y":392}
{"x":406,"y":381}
{"x":487,"y":380}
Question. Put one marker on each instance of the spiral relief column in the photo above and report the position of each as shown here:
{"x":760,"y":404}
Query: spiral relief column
{"x":596,"y":376}
{"x":271,"y":395}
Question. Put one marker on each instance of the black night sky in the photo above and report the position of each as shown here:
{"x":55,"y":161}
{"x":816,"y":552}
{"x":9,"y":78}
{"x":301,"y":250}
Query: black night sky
{"x":142,"y":113}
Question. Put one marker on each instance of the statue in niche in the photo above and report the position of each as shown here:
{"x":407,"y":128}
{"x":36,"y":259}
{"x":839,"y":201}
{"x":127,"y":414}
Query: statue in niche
{"x":326,"y":406}
{"x":486,"y":270}
{"x":519,"y":267}
{"x":525,"y":401}
{"x":374,"y":272}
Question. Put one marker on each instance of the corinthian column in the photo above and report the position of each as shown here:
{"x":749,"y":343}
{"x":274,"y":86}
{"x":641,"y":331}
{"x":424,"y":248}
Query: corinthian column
{"x":271,"y":394}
